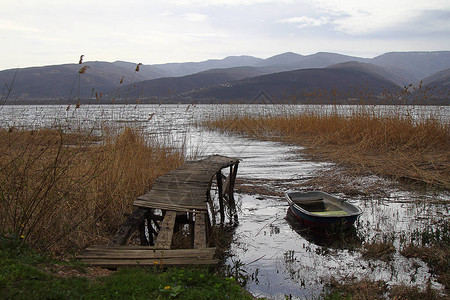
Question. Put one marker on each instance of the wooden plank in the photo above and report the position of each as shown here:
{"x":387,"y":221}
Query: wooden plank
{"x":175,"y":200}
{"x":160,"y":196}
{"x":178,"y":193}
{"x":114,"y":263}
{"x":180,"y":186}
{"x":188,"y":175}
{"x":199,"y":231}
{"x":144,"y":248}
{"x":164,"y":238}
{"x":165,"y":206}
{"x":105,"y":253}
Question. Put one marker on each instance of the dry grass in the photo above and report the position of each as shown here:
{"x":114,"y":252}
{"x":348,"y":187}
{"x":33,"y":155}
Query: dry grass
{"x":365,"y":288}
{"x":382,"y":250}
{"x":64,"y":191}
{"x":404,"y":292}
{"x":393,"y":145}
{"x":354,"y":288}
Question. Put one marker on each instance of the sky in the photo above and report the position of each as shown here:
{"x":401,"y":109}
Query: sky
{"x":48,"y":32}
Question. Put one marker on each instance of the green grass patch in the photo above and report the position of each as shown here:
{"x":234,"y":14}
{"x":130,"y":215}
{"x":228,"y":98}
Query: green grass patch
{"x":23,"y":275}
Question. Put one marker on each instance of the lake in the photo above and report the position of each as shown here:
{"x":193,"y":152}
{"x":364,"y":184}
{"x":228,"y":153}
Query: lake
{"x":279,"y":256}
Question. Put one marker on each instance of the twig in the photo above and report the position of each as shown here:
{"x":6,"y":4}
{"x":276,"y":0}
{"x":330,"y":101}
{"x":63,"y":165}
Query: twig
{"x":255,"y":260}
{"x":266,"y":225}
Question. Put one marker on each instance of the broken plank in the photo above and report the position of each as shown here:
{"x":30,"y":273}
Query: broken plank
{"x":164,"y":238}
{"x":124,"y":253}
{"x":114,"y":263}
{"x":200,"y":231}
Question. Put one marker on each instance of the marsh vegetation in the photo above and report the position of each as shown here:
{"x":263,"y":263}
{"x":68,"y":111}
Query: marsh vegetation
{"x":398,"y":145}
{"x":94,"y":175}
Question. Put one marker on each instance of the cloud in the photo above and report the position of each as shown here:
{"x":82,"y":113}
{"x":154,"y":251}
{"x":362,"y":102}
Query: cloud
{"x":356,"y":17}
{"x":303,"y":21}
{"x":228,"y":2}
{"x":8,"y":25}
{"x":193,"y":17}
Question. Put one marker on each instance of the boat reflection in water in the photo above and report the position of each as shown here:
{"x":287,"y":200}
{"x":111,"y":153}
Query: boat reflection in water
{"x":334,"y":236}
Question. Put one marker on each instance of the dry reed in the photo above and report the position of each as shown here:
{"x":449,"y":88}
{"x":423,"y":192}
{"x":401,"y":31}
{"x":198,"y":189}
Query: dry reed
{"x":64,"y":191}
{"x":394,"y":145}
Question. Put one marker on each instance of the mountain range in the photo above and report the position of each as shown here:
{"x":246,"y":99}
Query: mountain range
{"x":232,"y":79}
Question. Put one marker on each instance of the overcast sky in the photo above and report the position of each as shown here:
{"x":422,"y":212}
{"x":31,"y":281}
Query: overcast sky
{"x":44,"y":32}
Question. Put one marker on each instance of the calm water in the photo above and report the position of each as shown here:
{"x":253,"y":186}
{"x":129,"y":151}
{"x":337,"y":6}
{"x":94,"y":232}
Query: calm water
{"x":281,"y":257}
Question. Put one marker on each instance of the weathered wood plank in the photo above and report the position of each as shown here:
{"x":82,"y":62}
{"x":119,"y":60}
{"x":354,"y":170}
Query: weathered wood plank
{"x":165,"y":206}
{"x":124,"y":253}
{"x":164,"y":238}
{"x":114,"y":263}
{"x":200,"y":231}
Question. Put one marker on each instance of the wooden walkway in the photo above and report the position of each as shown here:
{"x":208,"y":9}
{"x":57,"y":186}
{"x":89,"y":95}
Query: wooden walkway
{"x":179,"y":201}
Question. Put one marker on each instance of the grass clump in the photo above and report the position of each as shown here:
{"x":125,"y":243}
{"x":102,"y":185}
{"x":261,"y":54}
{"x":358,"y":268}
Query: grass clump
{"x":352,"y":288}
{"x":366,"y":289}
{"x":382,"y":250}
{"x":63,"y":191}
{"x":403,"y":292}
{"x":395,"y":145}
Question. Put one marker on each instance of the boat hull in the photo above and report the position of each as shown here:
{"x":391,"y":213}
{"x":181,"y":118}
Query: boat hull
{"x":348,"y":213}
{"x":319,"y":221}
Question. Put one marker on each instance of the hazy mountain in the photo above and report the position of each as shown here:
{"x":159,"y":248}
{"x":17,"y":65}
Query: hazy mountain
{"x":61,"y":81}
{"x":386,"y":73}
{"x":281,"y":59}
{"x":414,"y":65}
{"x":145,"y":71}
{"x":177,"y":85}
{"x":187,"y":68}
{"x":288,"y":85}
{"x":439,"y":84}
{"x":292,"y":61}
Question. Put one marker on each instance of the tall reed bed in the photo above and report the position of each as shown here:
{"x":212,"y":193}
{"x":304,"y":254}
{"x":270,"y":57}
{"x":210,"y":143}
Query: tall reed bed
{"x":64,"y":191}
{"x":394,"y":144}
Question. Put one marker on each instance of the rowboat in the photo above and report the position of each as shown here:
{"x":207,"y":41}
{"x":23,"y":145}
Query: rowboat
{"x":320,"y":208}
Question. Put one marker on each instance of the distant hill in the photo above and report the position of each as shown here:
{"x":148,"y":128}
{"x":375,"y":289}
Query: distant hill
{"x":349,"y":79}
{"x":383,"y":72}
{"x":171,"y":86}
{"x":413,"y":66}
{"x":281,"y":59}
{"x":197,"y":79}
{"x":439,"y":84}
{"x":174,"y":86}
{"x":187,"y":68}
{"x":58,"y":81}
{"x":291,"y":61}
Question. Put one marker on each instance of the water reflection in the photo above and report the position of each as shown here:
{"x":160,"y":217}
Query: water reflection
{"x":334,"y":236}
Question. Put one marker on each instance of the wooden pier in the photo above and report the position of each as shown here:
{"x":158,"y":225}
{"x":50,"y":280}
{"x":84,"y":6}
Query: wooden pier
{"x":179,"y":201}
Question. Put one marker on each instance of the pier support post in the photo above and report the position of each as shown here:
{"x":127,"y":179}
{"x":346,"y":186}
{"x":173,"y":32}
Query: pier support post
{"x":232,"y":203}
{"x":220,"y":191}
